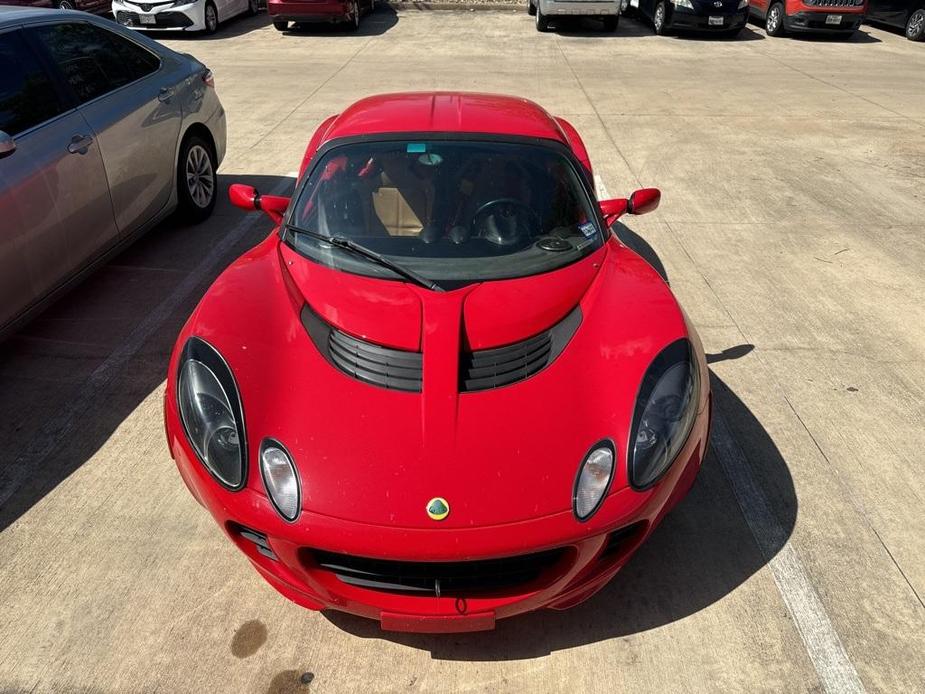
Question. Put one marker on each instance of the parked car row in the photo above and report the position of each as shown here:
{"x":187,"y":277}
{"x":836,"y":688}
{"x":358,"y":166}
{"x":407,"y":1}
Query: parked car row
{"x":103,"y":133}
{"x":723,"y":17}
{"x":729,"y":17}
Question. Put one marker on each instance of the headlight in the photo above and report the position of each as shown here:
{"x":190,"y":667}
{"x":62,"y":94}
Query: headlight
{"x":665,"y":410}
{"x":683,"y":3}
{"x":743,"y":4}
{"x":593,"y":480}
{"x":280,"y":478}
{"x":210,"y":410}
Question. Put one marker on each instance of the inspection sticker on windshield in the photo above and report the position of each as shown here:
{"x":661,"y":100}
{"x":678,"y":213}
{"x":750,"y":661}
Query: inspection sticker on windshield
{"x":587,"y":229}
{"x":416,"y":148}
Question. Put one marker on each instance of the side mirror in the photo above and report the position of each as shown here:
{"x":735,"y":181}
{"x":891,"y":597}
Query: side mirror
{"x":7,"y":145}
{"x":247,"y":198}
{"x":644,"y":200}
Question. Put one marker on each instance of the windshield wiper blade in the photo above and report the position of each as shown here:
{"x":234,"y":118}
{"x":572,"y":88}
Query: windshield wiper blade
{"x":369,"y":254}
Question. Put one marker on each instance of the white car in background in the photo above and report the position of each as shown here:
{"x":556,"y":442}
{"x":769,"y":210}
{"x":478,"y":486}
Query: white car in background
{"x":608,"y":11}
{"x":180,"y":15}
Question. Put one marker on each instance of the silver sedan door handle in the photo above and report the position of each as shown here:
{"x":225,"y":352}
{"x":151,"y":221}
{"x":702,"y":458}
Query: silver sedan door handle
{"x":80,"y":144}
{"x":165,"y":93}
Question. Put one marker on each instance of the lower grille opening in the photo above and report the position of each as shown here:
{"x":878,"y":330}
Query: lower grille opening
{"x":259,"y":540}
{"x":437,"y":578}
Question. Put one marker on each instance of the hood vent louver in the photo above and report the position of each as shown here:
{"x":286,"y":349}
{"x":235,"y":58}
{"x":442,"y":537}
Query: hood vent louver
{"x":381,"y":366}
{"x":501,"y":366}
{"x":403,"y":370}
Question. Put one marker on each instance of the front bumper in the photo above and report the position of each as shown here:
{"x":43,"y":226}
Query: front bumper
{"x":188,"y":17}
{"x":816,"y":21}
{"x":309,"y":10}
{"x":582,"y":8}
{"x":589,"y":554}
{"x":700,"y":19}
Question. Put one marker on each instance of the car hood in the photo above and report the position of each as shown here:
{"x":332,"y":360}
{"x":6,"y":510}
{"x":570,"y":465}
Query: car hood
{"x":377,"y":455}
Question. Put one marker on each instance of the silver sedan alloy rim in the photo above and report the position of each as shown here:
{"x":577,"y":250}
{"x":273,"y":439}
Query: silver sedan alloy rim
{"x":200,"y":179}
{"x":659,"y":16}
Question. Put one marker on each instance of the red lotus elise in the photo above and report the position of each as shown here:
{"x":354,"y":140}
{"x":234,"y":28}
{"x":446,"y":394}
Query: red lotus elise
{"x":441,"y":392}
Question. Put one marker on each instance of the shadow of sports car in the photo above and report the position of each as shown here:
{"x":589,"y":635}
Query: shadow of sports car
{"x":442,"y":392}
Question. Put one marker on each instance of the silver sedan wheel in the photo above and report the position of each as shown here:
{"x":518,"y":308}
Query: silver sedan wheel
{"x":659,"y":18}
{"x":200,"y":177}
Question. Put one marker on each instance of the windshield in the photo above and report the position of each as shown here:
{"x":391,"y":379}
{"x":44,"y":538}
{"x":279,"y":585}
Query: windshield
{"x":449,"y":211}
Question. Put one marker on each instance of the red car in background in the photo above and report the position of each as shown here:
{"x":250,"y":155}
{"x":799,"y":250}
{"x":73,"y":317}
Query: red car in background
{"x":441,"y":392}
{"x":347,"y":12}
{"x":842,"y":17}
{"x":94,"y":6}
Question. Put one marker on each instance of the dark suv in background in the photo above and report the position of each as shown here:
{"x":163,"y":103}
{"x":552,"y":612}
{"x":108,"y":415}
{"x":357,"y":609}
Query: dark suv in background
{"x":723,"y":17}
{"x":908,"y":15}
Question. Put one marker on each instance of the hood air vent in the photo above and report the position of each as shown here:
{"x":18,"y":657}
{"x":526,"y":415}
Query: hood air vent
{"x":402,"y":370}
{"x":381,"y":366}
{"x":502,"y":366}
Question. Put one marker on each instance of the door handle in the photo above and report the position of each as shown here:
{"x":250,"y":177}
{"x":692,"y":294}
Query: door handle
{"x":164,"y":94}
{"x":80,"y":144}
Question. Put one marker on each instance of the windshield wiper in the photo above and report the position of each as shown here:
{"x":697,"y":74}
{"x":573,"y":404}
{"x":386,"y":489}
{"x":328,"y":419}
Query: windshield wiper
{"x":369,"y":254}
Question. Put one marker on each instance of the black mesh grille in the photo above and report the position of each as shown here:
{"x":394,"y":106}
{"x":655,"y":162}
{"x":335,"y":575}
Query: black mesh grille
{"x":381,"y":366}
{"x":502,"y":366}
{"x":437,"y":578}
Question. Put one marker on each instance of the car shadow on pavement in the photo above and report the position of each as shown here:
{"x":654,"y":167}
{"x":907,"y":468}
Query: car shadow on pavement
{"x":66,"y":354}
{"x":636,"y":25}
{"x":236,"y":26}
{"x":703,"y":550}
{"x":376,"y":23}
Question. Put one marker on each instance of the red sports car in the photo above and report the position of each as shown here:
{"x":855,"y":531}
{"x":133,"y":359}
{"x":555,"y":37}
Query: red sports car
{"x":441,"y":392}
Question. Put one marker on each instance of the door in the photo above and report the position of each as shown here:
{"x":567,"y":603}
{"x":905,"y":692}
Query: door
{"x":52,"y":186}
{"x":127,"y":97}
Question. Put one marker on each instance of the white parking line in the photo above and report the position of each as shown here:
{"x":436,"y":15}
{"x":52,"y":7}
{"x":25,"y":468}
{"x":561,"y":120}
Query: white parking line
{"x":837,"y":674}
{"x":57,"y":429}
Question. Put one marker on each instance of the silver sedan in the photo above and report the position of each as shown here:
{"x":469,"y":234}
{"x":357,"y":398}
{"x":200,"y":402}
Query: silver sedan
{"x":103,"y":133}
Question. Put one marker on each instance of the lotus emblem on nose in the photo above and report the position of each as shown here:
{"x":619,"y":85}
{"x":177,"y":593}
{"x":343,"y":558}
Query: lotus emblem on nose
{"x":438,"y":508}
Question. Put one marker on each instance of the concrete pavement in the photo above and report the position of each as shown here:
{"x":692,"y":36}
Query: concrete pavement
{"x":792,"y":231}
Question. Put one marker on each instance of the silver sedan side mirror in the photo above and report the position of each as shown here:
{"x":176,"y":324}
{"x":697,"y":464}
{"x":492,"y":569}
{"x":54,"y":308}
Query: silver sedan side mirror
{"x":7,"y":145}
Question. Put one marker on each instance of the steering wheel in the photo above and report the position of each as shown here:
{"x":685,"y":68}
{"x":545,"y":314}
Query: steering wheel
{"x":504,"y":226}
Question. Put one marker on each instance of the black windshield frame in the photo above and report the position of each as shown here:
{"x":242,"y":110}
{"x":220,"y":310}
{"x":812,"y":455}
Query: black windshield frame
{"x":582,"y":175}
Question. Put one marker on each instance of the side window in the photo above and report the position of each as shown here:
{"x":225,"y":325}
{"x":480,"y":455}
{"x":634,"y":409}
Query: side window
{"x":95,"y":61}
{"x":27,"y":96}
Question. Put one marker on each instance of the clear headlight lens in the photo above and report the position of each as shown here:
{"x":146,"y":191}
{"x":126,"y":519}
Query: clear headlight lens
{"x":211,"y":412}
{"x":683,"y":3}
{"x":280,"y":479}
{"x":593,"y":479}
{"x":743,"y":4}
{"x":665,"y":410}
